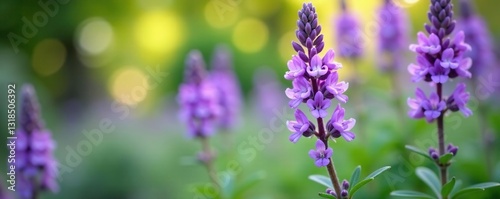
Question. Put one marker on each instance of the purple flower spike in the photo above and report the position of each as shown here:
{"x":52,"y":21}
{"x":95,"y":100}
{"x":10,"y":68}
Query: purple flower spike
{"x":329,"y":61}
{"x":337,"y":126}
{"x":349,"y":37}
{"x":198,"y":99}
{"x":458,"y":100}
{"x":297,"y":68}
{"x":448,"y":60}
{"x":319,"y":105}
{"x":321,"y":155}
{"x":227,"y":83}
{"x":478,"y":36}
{"x":301,"y":127}
{"x":36,"y":167}
{"x":433,"y":107}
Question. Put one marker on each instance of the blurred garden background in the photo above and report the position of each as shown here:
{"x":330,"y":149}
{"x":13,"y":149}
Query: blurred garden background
{"x":89,"y":62}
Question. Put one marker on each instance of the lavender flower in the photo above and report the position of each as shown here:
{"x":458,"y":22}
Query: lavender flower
{"x":337,"y":126}
{"x":198,"y":99}
{"x":321,"y":155}
{"x":458,"y":100}
{"x":36,"y":167}
{"x":477,"y":35}
{"x":266,"y":93}
{"x":227,"y":83}
{"x":392,"y":36}
{"x":318,"y":105}
{"x":315,"y":82}
{"x":349,"y":38}
{"x":301,"y":127}
{"x":440,"y":58}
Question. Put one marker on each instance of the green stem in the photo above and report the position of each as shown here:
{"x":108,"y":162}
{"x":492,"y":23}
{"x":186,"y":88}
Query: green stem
{"x":209,"y":162}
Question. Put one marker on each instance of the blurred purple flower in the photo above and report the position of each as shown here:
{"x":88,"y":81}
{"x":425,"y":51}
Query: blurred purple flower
{"x":349,"y":38}
{"x":318,"y":105}
{"x":223,"y":77}
{"x":36,"y":167}
{"x":337,"y":126}
{"x":267,"y":94}
{"x":458,"y":100}
{"x":321,"y":155}
{"x":392,"y":37}
{"x":478,"y":36}
{"x":198,"y":99}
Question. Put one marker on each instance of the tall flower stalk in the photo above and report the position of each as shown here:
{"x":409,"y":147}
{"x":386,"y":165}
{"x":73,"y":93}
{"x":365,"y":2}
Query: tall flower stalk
{"x":440,"y":58}
{"x":478,"y":36}
{"x":392,"y":42}
{"x":36,"y":167}
{"x":200,"y":108}
{"x":224,"y":78}
{"x":316,"y":83}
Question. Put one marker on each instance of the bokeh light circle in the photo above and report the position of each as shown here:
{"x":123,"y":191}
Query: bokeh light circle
{"x":94,"y":36}
{"x":158,"y":33}
{"x":129,"y":86}
{"x":220,"y":14}
{"x":285,"y":46}
{"x":405,"y":3}
{"x":250,"y":35}
{"x":48,"y":56}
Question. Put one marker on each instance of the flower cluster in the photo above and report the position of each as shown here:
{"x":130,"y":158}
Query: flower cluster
{"x":344,"y":193}
{"x":36,"y":166}
{"x":349,"y":36}
{"x":439,"y":58}
{"x":198,"y":99}
{"x":223,"y":77}
{"x":315,"y":82}
{"x":478,"y":37}
{"x":392,"y":38}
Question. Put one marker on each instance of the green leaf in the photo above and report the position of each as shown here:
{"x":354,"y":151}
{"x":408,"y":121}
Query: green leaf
{"x":228,"y":187}
{"x":354,"y":177}
{"x":430,"y":179}
{"x":476,"y":187}
{"x":445,"y":158}
{"x":418,"y":151}
{"x":410,"y":194}
{"x":445,"y":191}
{"x":325,"y":195}
{"x":368,"y":179}
{"x":321,"y":179}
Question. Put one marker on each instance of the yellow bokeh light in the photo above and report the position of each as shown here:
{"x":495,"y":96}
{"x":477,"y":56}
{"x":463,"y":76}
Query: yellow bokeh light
{"x":129,"y":86}
{"x":221,"y":14}
{"x":405,"y":3}
{"x":262,"y":8}
{"x":250,"y":35}
{"x":158,"y":33}
{"x":48,"y":56}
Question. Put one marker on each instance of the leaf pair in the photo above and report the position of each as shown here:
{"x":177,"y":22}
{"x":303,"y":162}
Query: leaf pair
{"x":355,"y":185}
{"x":448,"y":190}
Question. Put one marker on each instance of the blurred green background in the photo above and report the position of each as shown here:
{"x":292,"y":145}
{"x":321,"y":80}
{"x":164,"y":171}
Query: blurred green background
{"x":85,"y":56}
